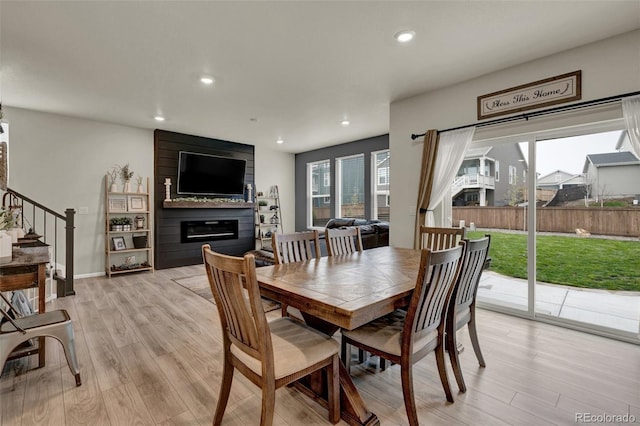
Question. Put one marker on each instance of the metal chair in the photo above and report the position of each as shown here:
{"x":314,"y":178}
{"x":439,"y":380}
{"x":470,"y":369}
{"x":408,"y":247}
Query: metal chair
{"x":270,"y":354}
{"x":56,"y":324}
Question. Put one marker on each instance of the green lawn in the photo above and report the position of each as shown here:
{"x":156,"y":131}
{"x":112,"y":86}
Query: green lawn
{"x":578,"y":262}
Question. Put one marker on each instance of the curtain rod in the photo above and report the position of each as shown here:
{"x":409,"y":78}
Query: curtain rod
{"x":526,"y":116}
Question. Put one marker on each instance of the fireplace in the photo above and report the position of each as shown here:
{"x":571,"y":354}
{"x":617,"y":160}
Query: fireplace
{"x":208,"y":230}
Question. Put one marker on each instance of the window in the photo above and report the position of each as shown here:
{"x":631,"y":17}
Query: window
{"x":381,"y":169}
{"x":350,"y":186}
{"x":319,"y":196}
{"x":512,"y":175}
{"x":497,"y":171}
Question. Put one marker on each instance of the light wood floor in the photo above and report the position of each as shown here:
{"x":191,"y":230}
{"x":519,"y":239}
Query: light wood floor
{"x":149,"y":354}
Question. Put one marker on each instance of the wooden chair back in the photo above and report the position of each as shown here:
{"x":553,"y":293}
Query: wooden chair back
{"x":436,"y":239}
{"x":472,"y":266}
{"x":438,"y":273}
{"x":235,"y":289}
{"x":296,"y":247}
{"x":343,"y":241}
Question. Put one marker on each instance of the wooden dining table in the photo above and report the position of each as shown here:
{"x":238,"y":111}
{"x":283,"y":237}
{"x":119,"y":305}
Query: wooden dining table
{"x":347,"y":292}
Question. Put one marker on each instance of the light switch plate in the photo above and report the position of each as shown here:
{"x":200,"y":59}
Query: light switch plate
{"x":83,"y":210}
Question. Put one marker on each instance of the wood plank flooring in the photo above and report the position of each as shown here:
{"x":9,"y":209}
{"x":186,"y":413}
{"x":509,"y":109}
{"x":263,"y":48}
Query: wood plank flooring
{"x":149,"y":353}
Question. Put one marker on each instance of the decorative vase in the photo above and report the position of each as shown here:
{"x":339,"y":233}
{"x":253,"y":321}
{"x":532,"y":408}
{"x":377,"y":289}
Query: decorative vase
{"x":13,"y":234}
{"x":140,"y":188}
{"x":127,"y":186}
{"x":6,"y":247}
{"x":113,"y":188}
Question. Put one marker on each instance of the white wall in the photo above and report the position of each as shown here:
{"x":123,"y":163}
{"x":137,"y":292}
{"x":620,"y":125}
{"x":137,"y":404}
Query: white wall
{"x":61,"y":161}
{"x":278,"y":168}
{"x":609,"y":67}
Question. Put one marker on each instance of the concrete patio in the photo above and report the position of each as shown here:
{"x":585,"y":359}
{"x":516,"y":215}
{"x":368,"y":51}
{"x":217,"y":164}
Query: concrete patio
{"x":619,"y":310}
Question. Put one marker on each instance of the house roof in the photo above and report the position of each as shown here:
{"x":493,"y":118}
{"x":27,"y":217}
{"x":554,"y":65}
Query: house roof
{"x":549,"y":179}
{"x":613,"y":159}
{"x":477,"y":152}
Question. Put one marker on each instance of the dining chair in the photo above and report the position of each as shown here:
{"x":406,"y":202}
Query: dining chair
{"x":270,"y":354}
{"x":296,"y":247}
{"x":342,"y":241}
{"x":434,"y":238}
{"x":56,"y":324}
{"x":462,"y":306}
{"x":405,"y":337}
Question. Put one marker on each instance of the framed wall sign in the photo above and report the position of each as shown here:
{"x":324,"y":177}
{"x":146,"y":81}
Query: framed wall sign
{"x":550,"y":91}
{"x":137,"y":203}
{"x":118,"y":243}
{"x":117,"y":204}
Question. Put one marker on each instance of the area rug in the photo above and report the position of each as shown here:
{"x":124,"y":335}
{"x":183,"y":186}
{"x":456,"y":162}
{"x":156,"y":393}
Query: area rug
{"x":199,"y":284}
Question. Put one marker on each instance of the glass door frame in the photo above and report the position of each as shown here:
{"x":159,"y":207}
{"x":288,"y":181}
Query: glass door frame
{"x":531,"y":213}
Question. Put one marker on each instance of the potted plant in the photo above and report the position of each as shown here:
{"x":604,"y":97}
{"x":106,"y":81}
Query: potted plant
{"x":125,"y":176}
{"x":126,"y":223}
{"x":139,"y":182}
{"x":262,"y":204}
{"x":112,"y":174}
{"x":115,"y":224}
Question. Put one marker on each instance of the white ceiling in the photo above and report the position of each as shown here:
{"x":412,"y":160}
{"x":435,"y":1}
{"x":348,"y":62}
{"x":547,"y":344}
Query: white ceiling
{"x":298,"y":67}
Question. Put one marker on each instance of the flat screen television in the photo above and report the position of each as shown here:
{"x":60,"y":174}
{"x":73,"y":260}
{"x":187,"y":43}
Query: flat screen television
{"x":203,"y":174}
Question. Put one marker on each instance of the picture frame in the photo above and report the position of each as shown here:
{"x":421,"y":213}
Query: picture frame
{"x":117,"y":204}
{"x":118,"y":243}
{"x":136,"y":203}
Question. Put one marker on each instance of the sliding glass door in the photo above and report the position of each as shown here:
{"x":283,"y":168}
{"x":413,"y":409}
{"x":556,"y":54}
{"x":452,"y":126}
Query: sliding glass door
{"x":565,"y":225}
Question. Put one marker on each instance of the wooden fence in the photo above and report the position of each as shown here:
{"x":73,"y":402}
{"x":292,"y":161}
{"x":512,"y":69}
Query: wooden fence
{"x":600,"y":221}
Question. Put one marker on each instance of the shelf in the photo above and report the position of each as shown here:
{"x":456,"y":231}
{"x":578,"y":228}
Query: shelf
{"x":127,"y":212}
{"x":129,"y":250}
{"x":147,"y":268}
{"x":130,"y":205}
{"x":267,"y":225}
{"x":206,"y":205}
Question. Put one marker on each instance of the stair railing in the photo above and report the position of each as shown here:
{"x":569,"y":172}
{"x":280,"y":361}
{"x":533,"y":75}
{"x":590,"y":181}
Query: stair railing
{"x":35,"y":216}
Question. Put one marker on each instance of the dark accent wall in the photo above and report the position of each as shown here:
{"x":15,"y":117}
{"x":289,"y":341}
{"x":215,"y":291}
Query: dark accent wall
{"x":362,"y":146}
{"x":169,"y":251}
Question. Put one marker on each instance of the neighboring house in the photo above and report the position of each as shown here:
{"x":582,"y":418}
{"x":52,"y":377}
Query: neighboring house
{"x":613,"y":175}
{"x":383,"y":179}
{"x":488,"y":175}
{"x":559,"y":180}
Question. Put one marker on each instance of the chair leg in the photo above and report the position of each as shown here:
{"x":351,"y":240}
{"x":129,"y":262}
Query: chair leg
{"x":68,"y":344}
{"x":333,"y":394}
{"x":383,"y":364}
{"x":268,"y":403}
{"x":225,"y":389}
{"x":473,"y":333}
{"x":406,"y":372}
{"x":345,"y":354}
{"x":455,"y":360}
{"x":442,"y":371}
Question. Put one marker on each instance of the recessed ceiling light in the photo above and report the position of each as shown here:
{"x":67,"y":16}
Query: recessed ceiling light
{"x":158,"y":118}
{"x":205,"y":79}
{"x":279,"y":141}
{"x":345,"y":122}
{"x":404,"y":36}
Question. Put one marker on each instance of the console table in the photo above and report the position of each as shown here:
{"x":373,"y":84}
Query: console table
{"x":27,"y":270}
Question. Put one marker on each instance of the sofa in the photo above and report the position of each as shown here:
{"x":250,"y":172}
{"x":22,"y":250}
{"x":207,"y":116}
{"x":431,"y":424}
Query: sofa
{"x":375,"y":233}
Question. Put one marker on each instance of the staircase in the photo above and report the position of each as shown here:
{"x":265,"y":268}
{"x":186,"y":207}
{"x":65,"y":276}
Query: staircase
{"x":55,"y":229}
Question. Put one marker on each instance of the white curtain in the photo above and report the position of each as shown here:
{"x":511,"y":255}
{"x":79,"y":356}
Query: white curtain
{"x":631,"y":112}
{"x":451,"y":149}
